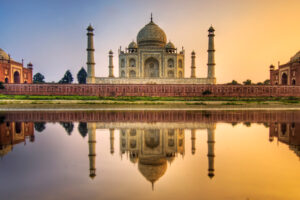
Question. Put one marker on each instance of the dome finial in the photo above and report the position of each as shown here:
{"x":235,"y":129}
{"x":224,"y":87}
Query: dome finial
{"x":151,"y":18}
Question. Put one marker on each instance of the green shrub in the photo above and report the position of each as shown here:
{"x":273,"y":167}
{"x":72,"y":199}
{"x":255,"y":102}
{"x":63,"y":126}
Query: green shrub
{"x":206,"y":92}
{"x":1,"y":86}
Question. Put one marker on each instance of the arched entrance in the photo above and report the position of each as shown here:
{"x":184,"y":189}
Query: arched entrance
{"x":284,"y":79}
{"x":293,"y":82}
{"x":151,"y":68}
{"x":16,"y":77}
{"x":152,"y":138}
{"x":6,"y":80}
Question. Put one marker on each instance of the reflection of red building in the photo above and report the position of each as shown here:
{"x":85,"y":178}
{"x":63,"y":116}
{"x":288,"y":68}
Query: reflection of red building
{"x":287,"y":74}
{"x":12,"y":133}
{"x":12,"y":71}
{"x":288,"y":133}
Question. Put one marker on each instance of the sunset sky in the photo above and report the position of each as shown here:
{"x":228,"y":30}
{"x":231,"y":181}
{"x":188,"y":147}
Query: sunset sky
{"x":250,"y":34}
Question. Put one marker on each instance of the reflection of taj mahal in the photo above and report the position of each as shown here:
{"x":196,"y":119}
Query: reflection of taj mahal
{"x":151,"y":60}
{"x":151,"y":146}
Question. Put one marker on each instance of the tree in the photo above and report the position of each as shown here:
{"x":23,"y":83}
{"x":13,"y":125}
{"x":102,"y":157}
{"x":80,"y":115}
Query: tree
{"x":67,"y":79}
{"x":247,"y":82}
{"x":39,"y":126}
{"x":1,"y":86}
{"x":38,"y":78}
{"x":206,"y":92}
{"x":82,"y":128}
{"x":68,"y":126}
{"x":267,"y":82}
{"x":81,"y":76}
{"x":233,"y":82}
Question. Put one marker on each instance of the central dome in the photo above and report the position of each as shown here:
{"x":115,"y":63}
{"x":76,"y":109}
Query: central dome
{"x":151,"y":35}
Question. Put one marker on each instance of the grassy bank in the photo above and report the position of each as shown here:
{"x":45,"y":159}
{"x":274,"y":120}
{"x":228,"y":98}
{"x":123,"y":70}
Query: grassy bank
{"x":92,"y":102}
{"x":152,"y":99}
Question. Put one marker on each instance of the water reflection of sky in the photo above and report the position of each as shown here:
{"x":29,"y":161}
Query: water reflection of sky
{"x":255,"y":161}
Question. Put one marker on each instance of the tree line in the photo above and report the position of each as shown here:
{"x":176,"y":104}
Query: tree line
{"x":82,"y":75}
{"x":66,"y":79}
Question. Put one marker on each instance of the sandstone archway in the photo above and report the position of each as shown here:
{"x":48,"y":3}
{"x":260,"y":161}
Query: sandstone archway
{"x":16,"y":77}
{"x":151,"y":68}
{"x":284,"y":79}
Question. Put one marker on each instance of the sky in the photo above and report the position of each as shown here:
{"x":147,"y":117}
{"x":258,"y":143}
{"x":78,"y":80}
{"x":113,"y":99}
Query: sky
{"x":250,"y":34}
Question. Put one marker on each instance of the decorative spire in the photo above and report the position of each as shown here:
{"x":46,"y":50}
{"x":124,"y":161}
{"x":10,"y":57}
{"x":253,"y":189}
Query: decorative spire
{"x":151,"y":18}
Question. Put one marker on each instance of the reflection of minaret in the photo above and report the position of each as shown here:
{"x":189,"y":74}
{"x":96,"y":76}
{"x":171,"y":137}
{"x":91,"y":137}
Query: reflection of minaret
{"x":112,"y":137}
{"x":193,"y":134}
{"x":211,"y":151}
{"x":92,"y":148}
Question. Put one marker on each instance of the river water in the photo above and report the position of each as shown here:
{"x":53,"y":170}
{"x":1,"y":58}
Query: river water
{"x":164,"y":154}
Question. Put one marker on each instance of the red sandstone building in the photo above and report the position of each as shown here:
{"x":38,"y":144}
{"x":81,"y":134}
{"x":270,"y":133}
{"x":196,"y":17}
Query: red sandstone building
{"x":286,"y":74}
{"x":12,"y":71}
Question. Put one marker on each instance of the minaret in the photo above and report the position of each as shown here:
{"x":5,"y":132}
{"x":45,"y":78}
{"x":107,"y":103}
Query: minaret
{"x":211,"y":151}
{"x":211,"y":53}
{"x":193,"y":134}
{"x":90,"y":55}
{"x":112,"y":137}
{"x":111,"y":65}
{"x":193,"y":66}
{"x":92,"y":148}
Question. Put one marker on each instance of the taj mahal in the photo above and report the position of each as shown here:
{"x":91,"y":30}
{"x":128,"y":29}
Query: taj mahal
{"x":151,"y":60}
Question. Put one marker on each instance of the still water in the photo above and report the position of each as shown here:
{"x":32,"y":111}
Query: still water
{"x":150,"y":155}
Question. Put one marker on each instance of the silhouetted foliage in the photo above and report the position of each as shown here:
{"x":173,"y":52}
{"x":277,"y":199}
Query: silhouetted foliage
{"x":247,"y":82}
{"x":259,"y":83}
{"x":81,"y":76}
{"x":248,"y":124}
{"x":234,"y":124}
{"x":2,"y":119}
{"x":267,"y":82}
{"x":67,"y":79}
{"x":82,"y":128}
{"x":39,"y":126}
{"x":68,"y":126}
{"x":233,"y":82}
{"x":38,"y":78}
{"x":1,"y":85}
{"x":206,"y":92}
{"x":266,"y":125}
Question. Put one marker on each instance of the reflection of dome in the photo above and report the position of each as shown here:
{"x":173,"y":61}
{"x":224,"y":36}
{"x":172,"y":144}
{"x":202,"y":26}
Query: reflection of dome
{"x":92,"y":176}
{"x":5,"y":149}
{"x":152,"y":168}
{"x":132,"y":45}
{"x":296,"y":57}
{"x":151,"y":35}
{"x":133,"y":158}
{"x":170,"y":159}
{"x":3,"y":55}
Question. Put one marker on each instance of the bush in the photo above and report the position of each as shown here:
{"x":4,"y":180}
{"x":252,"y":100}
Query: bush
{"x":1,"y":86}
{"x":206,"y":92}
{"x":247,"y":82}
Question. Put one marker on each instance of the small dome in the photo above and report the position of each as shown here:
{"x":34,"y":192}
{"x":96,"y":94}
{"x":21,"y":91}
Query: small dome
{"x":211,"y":29}
{"x":110,"y":52}
{"x":90,"y":28}
{"x":170,"y":45}
{"x":3,"y":55}
{"x":296,"y":57}
{"x":132,"y":45}
{"x":151,"y":35}
{"x":193,"y":53}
